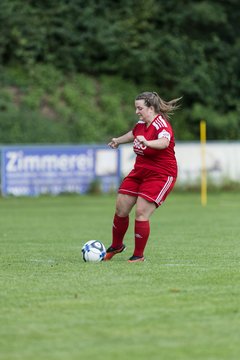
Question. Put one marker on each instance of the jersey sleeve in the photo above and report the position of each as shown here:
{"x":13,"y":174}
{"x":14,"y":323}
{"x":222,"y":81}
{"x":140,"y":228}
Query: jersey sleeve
{"x":165,"y":133}
{"x":163,"y":128}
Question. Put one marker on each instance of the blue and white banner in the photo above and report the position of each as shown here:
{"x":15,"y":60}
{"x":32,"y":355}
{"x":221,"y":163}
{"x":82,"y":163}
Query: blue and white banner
{"x":34,"y":170}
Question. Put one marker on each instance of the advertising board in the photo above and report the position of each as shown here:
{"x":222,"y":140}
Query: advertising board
{"x":34,"y":170}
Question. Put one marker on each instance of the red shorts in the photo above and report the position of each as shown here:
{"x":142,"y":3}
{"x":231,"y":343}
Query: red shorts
{"x":147,"y":184}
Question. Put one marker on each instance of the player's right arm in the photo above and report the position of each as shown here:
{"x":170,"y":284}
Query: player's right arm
{"x":126,"y":138}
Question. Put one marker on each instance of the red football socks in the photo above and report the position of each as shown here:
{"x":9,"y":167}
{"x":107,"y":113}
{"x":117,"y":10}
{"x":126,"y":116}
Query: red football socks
{"x":142,"y":231}
{"x":120,"y":226}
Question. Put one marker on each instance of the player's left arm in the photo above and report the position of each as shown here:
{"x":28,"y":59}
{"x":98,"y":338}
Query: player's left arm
{"x":162,"y":142}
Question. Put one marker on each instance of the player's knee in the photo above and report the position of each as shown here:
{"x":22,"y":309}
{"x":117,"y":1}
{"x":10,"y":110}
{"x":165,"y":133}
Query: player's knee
{"x":124,"y":205}
{"x":121,"y":209}
{"x":121,"y":212}
{"x":140,"y":214}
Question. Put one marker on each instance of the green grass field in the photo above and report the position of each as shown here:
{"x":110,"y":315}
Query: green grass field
{"x":183,"y":302}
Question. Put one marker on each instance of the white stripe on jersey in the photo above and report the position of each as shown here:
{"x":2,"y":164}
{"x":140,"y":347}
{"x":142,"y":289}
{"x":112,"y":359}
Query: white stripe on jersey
{"x":159,"y":122}
{"x":163,"y":121}
{"x":164,"y":189}
{"x":155,"y":125}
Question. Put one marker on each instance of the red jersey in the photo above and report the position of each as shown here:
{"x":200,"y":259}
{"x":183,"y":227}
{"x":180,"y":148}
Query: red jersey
{"x":161,"y":161}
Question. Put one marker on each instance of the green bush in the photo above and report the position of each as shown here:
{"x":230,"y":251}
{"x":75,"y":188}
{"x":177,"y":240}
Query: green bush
{"x":23,"y":127}
{"x":80,"y":108}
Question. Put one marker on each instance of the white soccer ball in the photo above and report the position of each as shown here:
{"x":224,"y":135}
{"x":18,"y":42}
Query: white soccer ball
{"x":93,"y":251}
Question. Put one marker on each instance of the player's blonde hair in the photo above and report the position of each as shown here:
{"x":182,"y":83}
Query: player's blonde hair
{"x":160,"y":106}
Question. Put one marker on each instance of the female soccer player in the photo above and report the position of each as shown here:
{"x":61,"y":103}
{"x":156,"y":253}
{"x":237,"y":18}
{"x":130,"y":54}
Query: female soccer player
{"x":153,"y":176}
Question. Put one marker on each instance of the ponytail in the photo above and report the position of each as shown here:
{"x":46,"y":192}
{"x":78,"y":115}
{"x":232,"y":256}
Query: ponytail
{"x":160,"y":106}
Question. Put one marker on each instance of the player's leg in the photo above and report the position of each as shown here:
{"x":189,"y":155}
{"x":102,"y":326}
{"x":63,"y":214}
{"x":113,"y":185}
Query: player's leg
{"x":155,"y":189}
{"x":124,"y":205}
{"x":144,"y":210}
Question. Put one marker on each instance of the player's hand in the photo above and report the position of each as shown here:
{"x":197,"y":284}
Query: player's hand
{"x":113,"y":143}
{"x":142,"y":140}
